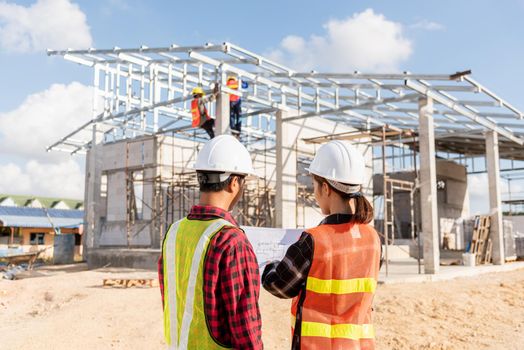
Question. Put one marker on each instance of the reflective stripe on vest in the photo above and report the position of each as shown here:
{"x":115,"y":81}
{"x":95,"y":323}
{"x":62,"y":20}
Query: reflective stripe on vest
{"x":342,"y":280}
{"x":184,"y":318}
{"x":344,"y":330}
{"x":354,"y":285}
{"x":170,"y":306}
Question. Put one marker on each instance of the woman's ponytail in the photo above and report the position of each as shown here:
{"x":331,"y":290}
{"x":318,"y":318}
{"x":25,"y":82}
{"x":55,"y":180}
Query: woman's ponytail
{"x":364,"y":213}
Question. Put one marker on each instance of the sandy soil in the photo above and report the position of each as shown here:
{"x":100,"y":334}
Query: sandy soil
{"x":67,"y":308}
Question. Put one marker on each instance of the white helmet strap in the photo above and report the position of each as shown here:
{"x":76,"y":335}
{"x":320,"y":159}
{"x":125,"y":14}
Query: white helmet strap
{"x":224,"y":176}
{"x":349,"y":189}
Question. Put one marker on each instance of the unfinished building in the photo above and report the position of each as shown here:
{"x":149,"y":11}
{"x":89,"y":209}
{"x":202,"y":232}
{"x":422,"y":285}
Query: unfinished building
{"x":452,"y":203}
{"x":140,"y":145}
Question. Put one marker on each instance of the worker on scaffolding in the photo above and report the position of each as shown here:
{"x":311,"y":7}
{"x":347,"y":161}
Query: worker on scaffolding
{"x":235,"y":105}
{"x":208,"y":271}
{"x":331,"y":272}
{"x":199,"y":112}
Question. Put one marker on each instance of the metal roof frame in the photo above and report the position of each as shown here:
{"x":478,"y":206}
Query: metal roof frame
{"x":145,"y":91}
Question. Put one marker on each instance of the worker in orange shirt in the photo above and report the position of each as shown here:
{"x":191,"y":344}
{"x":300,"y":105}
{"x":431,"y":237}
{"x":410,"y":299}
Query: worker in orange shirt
{"x":332,"y":271}
{"x":235,"y":105}
{"x":199,"y":111}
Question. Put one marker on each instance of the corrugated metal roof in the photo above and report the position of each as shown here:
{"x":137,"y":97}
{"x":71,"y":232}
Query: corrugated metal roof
{"x":36,"y":217}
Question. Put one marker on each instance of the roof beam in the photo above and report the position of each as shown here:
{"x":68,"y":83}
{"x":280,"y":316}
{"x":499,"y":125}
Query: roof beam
{"x":457,"y":107}
{"x":358,"y":75}
{"x":502,"y":102}
{"x":364,"y":105}
{"x":143,"y":49}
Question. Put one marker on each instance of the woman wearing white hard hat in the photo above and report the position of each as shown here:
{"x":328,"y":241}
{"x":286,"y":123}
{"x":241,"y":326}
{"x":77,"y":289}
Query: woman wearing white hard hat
{"x":208,"y":271}
{"x":331,"y":272}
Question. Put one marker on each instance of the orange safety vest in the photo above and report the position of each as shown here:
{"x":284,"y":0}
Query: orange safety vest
{"x":336,"y":302}
{"x":195,"y":113}
{"x":233,"y":84}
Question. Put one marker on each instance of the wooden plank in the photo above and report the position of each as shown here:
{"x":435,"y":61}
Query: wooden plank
{"x":476,"y":235}
{"x":489,"y":249}
{"x":484,"y":234}
{"x":480,"y":253}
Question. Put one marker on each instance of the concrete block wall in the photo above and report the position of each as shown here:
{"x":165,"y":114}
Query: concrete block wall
{"x":116,"y":196}
{"x":114,"y":234}
{"x":452,"y":201}
{"x":128,"y":154}
{"x":518,"y":224}
{"x":456,"y":202}
{"x":138,"y":155}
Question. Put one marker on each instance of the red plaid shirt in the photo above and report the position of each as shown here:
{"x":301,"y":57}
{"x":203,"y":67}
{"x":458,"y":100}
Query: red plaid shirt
{"x":231,"y":284}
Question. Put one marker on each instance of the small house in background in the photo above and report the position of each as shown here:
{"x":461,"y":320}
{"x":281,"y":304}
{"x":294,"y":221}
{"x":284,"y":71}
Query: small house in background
{"x":31,"y":223}
{"x":8,"y":200}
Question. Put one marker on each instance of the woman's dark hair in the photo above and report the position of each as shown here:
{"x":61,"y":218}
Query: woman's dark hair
{"x":363,"y":210}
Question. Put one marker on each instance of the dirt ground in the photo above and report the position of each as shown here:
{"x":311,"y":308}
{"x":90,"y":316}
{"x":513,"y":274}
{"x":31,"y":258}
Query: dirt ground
{"x":67,"y":308}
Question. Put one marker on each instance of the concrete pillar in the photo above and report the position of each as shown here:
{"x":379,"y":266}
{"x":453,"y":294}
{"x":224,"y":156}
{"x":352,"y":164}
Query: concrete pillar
{"x":496,"y":230}
{"x":286,"y":171}
{"x":222,"y":114}
{"x":93,"y":178}
{"x":428,"y":187}
{"x":93,"y":182}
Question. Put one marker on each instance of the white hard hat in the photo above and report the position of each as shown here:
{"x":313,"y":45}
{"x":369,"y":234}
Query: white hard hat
{"x":224,"y":153}
{"x":339,"y":161}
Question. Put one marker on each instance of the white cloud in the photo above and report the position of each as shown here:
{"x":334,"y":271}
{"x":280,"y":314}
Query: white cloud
{"x":60,"y":179}
{"x":46,"y":24}
{"x":43,"y":118}
{"x":479,"y":195}
{"x":366,"y":41}
{"x":427,"y":25}
{"x":25,"y":132}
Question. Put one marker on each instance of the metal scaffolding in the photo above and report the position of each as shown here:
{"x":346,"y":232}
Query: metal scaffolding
{"x":145,"y":91}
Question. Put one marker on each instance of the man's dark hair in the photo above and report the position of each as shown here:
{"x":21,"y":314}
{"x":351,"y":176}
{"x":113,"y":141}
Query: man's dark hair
{"x":213,"y":186}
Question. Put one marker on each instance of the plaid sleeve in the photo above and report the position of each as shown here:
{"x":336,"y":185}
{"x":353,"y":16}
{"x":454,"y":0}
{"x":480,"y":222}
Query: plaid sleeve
{"x":285,"y":278}
{"x":240,"y":288}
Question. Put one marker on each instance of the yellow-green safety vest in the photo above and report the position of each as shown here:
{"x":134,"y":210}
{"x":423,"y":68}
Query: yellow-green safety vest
{"x":183,"y":252}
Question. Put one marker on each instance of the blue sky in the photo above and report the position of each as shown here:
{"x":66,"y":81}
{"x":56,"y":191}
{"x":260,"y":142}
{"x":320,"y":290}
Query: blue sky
{"x":438,"y":36}
{"x":480,"y":35}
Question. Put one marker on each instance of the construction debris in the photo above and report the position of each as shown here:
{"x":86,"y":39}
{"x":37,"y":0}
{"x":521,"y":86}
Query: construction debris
{"x":10,"y":273}
{"x":129,"y":282}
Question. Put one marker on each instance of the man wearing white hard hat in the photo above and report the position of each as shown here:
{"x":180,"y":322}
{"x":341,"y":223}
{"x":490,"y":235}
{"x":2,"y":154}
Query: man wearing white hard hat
{"x":331,"y":272}
{"x":208,"y":271}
